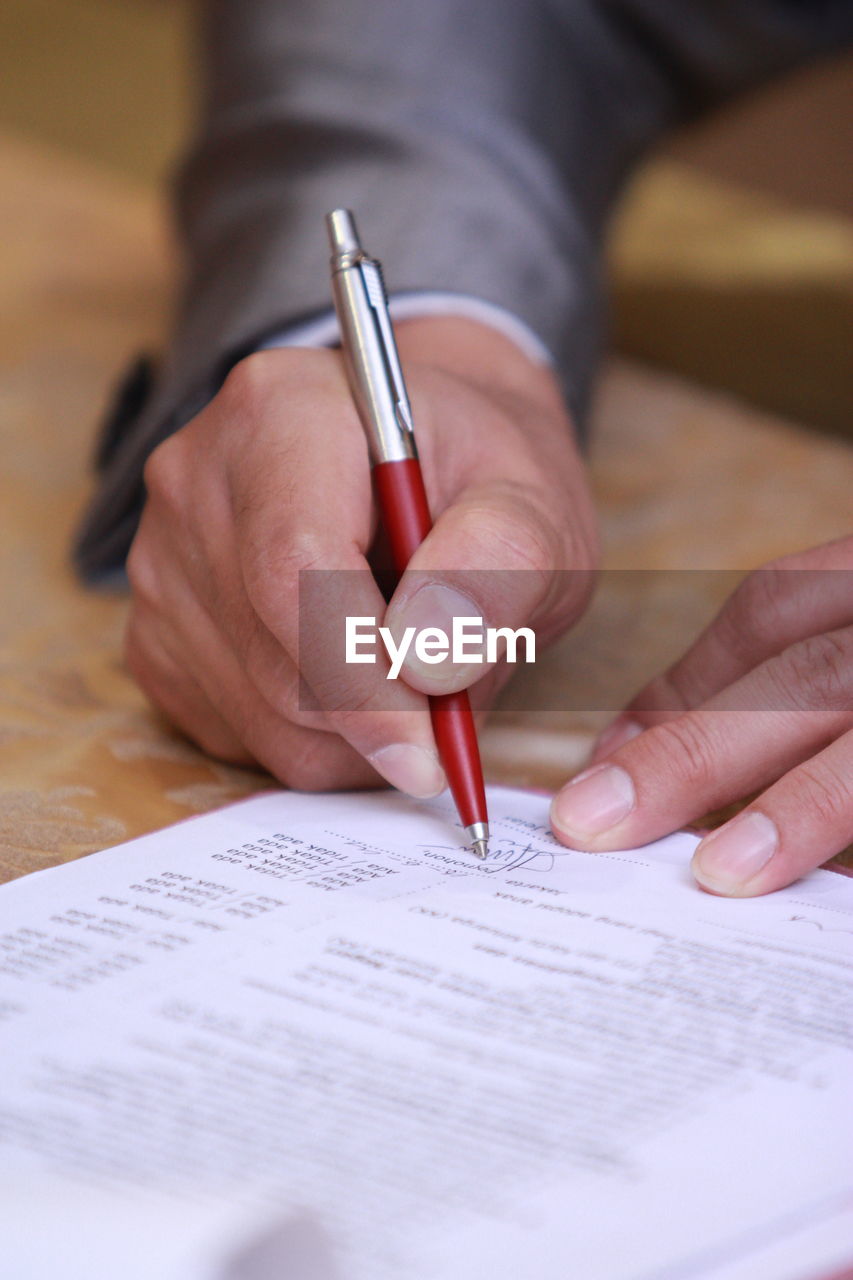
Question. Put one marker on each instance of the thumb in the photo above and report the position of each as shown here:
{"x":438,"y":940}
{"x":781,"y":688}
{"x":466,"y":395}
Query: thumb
{"x":494,"y":558}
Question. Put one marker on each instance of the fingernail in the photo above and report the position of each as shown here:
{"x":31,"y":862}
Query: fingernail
{"x":434,"y":605}
{"x":410,"y":769}
{"x":593,"y":802}
{"x":730,"y":857}
{"x":622,"y":730}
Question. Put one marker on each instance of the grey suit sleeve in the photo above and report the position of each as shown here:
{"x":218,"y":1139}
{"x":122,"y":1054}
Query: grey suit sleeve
{"x":481,"y":143}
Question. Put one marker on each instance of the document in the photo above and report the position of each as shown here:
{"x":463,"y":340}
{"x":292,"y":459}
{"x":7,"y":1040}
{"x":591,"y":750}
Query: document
{"x":313,"y":1038}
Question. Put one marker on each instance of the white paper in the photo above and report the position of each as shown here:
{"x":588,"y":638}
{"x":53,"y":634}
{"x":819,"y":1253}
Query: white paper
{"x":312,"y":1037}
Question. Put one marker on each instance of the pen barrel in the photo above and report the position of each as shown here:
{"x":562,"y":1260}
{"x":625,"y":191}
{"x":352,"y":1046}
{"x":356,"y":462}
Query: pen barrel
{"x":406,"y":518}
{"x":403,"y":503}
{"x":456,"y":739}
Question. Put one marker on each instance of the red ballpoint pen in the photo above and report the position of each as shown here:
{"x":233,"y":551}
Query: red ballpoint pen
{"x":379,"y":392}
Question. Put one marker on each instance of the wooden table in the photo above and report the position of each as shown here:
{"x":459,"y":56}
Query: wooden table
{"x":686,"y":481}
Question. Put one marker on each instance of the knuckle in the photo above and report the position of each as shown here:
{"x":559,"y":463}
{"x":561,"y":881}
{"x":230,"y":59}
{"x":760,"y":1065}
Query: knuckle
{"x":272,"y":569}
{"x":758,"y":612}
{"x":305,"y":717}
{"x":304,"y":550}
{"x":820,"y":672}
{"x":828,"y":796}
{"x":669,"y":691}
{"x":252,"y":387}
{"x":688,"y":750}
{"x":302,"y":707}
{"x":163,"y":473}
{"x":514,"y":537}
{"x":250,"y":382}
{"x":343,"y":699}
{"x":528,"y":540}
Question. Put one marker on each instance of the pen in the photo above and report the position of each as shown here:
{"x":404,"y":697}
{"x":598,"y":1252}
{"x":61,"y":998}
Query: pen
{"x":379,"y":392}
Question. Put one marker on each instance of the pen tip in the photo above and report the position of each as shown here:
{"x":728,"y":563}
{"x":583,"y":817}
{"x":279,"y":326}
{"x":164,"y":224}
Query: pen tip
{"x":478,"y":834}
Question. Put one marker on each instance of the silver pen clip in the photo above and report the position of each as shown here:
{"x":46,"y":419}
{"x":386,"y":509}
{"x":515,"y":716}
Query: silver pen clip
{"x":374,"y":284}
{"x":367,"y":338}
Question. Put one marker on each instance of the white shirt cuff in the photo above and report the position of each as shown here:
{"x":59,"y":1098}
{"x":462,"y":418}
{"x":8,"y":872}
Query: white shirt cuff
{"x":323,"y":330}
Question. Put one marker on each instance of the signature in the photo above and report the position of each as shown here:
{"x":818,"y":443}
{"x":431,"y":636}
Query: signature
{"x":505,"y":854}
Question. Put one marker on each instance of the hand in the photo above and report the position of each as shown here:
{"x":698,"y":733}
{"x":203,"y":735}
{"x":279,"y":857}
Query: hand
{"x":273,"y":478}
{"x":763,"y":699}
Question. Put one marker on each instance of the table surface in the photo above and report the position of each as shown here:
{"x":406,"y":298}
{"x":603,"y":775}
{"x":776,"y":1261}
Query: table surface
{"x":686,"y":480}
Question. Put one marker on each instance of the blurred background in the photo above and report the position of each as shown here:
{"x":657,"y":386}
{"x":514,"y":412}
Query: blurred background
{"x":732,"y":258}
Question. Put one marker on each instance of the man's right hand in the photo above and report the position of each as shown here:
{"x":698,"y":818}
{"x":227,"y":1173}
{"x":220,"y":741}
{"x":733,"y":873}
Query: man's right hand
{"x":273,"y":477}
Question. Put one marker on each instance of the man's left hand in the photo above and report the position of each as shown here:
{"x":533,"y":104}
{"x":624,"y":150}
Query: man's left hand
{"x":761,"y":703}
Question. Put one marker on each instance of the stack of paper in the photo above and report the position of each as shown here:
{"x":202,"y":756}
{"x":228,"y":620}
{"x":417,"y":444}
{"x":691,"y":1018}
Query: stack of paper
{"x":312,"y":1038}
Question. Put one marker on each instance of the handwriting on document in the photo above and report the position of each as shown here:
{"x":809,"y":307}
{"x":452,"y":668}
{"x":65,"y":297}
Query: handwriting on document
{"x":817,"y":924}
